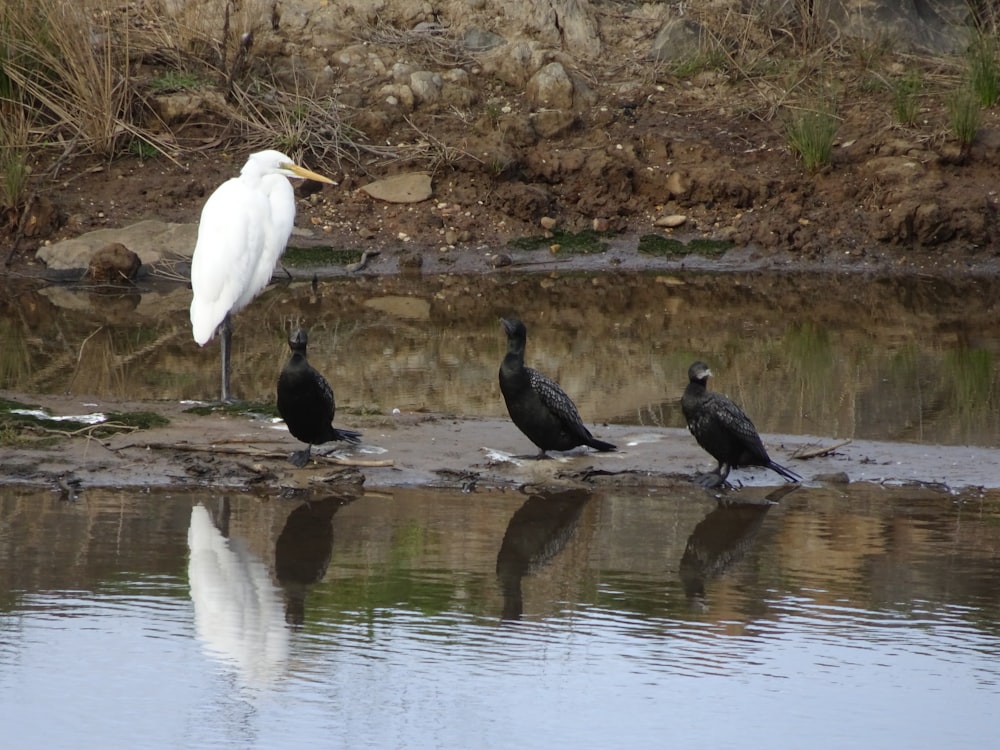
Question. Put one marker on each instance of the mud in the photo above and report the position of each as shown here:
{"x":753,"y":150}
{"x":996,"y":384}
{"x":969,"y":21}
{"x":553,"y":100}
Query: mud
{"x":216,"y":451}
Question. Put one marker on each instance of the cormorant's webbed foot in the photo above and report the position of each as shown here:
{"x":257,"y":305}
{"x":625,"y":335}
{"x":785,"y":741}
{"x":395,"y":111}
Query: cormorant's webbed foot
{"x":710,"y":480}
{"x":301,"y":458}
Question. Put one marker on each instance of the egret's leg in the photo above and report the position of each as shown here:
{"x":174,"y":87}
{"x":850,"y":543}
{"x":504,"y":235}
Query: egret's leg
{"x":225,"y":342}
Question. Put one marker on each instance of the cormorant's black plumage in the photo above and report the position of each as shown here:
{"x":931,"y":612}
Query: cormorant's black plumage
{"x":305,"y":402}
{"x":537,"y":405}
{"x":724,"y":430}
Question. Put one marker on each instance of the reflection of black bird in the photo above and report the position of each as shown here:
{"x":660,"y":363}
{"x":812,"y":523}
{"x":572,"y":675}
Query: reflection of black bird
{"x":305,"y":402}
{"x":302,"y":552}
{"x":536,"y":533}
{"x":724,"y":430}
{"x":537,"y":405}
{"x":719,"y":541}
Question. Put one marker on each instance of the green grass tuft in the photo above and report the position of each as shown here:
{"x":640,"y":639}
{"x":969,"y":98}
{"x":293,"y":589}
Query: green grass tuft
{"x":905,"y":98}
{"x":964,"y":115}
{"x":810,"y":136}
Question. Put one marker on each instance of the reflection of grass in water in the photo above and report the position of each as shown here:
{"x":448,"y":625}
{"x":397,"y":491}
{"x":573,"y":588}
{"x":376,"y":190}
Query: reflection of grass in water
{"x":970,"y":372}
{"x":399,"y":582}
{"x":808,"y":346}
{"x":15,"y":355}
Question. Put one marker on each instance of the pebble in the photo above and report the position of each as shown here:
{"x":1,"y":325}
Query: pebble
{"x":671,"y":221}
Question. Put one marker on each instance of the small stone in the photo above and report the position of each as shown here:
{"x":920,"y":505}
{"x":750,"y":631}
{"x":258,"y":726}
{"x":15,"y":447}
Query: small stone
{"x":547,"y":222}
{"x":671,"y":221}
{"x":600,"y":224}
{"x":451,"y":236}
{"x":113,"y":264}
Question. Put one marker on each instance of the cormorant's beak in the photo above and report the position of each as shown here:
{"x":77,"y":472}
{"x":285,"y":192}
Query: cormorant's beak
{"x":306,"y":174}
{"x":298,"y":337}
{"x":508,"y":326}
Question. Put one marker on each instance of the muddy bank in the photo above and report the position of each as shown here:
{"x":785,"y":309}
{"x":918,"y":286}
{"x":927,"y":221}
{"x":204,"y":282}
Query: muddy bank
{"x":217,"y":451}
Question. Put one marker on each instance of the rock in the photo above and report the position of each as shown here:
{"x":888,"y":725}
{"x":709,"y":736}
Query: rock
{"x":671,"y":221}
{"x":42,"y":219}
{"x":547,"y":222}
{"x":401,"y":72}
{"x":480,"y":40}
{"x":678,"y":184}
{"x":515,"y":63}
{"x":679,"y":39}
{"x":151,"y":240}
{"x":600,"y":224}
{"x":412,"y":187}
{"x":892,"y":170}
{"x":426,"y":86}
{"x":411,"y":262}
{"x":410,"y":308}
{"x":552,"y":122}
{"x":113,"y":264}
{"x":398,"y":95}
{"x":181,"y":106}
{"x":551,"y":87}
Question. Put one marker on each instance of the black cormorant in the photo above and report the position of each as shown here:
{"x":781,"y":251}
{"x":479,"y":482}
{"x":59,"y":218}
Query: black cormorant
{"x":537,"y":405}
{"x":305,"y":402}
{"x":724,"y":430}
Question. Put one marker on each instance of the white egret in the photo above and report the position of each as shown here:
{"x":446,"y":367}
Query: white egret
{"x":245,"y":225}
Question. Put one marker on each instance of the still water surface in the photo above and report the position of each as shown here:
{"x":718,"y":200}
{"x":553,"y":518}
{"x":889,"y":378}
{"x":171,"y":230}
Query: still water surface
{"x":409,"y":618}
{"x":910,"y":359}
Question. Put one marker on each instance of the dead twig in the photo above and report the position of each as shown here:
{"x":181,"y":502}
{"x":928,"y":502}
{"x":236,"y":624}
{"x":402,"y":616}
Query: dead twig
{"x":815,"y":451}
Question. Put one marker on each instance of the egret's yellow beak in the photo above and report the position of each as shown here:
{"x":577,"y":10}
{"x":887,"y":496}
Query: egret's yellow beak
{"x":307,"y":174}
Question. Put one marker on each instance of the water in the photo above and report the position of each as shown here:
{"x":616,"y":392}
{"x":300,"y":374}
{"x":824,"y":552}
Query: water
{"x":845,"y":356}
{"x":418,"y":618}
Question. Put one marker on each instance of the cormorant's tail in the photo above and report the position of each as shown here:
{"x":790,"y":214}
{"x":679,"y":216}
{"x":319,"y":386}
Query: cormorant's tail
{"x":350,"y":436}
{"x":788,"y":474}
{"x":601,"y":445}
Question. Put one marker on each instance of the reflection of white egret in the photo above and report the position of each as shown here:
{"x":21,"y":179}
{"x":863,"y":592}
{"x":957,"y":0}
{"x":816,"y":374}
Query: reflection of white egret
{"x":238,"y":612}
{"x":244,"y":228}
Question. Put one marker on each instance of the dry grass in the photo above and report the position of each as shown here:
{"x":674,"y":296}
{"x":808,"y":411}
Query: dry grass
{"x":68,"y":80}
{"x":71,"y":60}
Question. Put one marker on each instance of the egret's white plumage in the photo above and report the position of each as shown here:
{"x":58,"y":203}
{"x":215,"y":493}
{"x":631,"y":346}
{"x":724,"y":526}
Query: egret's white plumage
{"x":245,"y":225}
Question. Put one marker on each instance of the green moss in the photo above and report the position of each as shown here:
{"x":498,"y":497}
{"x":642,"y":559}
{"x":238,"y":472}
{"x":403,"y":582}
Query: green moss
{"x":143,"y":420}
{"x":656,"y":244}
{"x":237,"y":408}
{"x":570,"y":243}
{"x":16,"y":428}
{"x":709,"y":247}
{"x":321,"y":255}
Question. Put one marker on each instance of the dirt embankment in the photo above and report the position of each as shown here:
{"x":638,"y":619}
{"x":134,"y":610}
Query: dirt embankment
{"x":523,"y":133}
